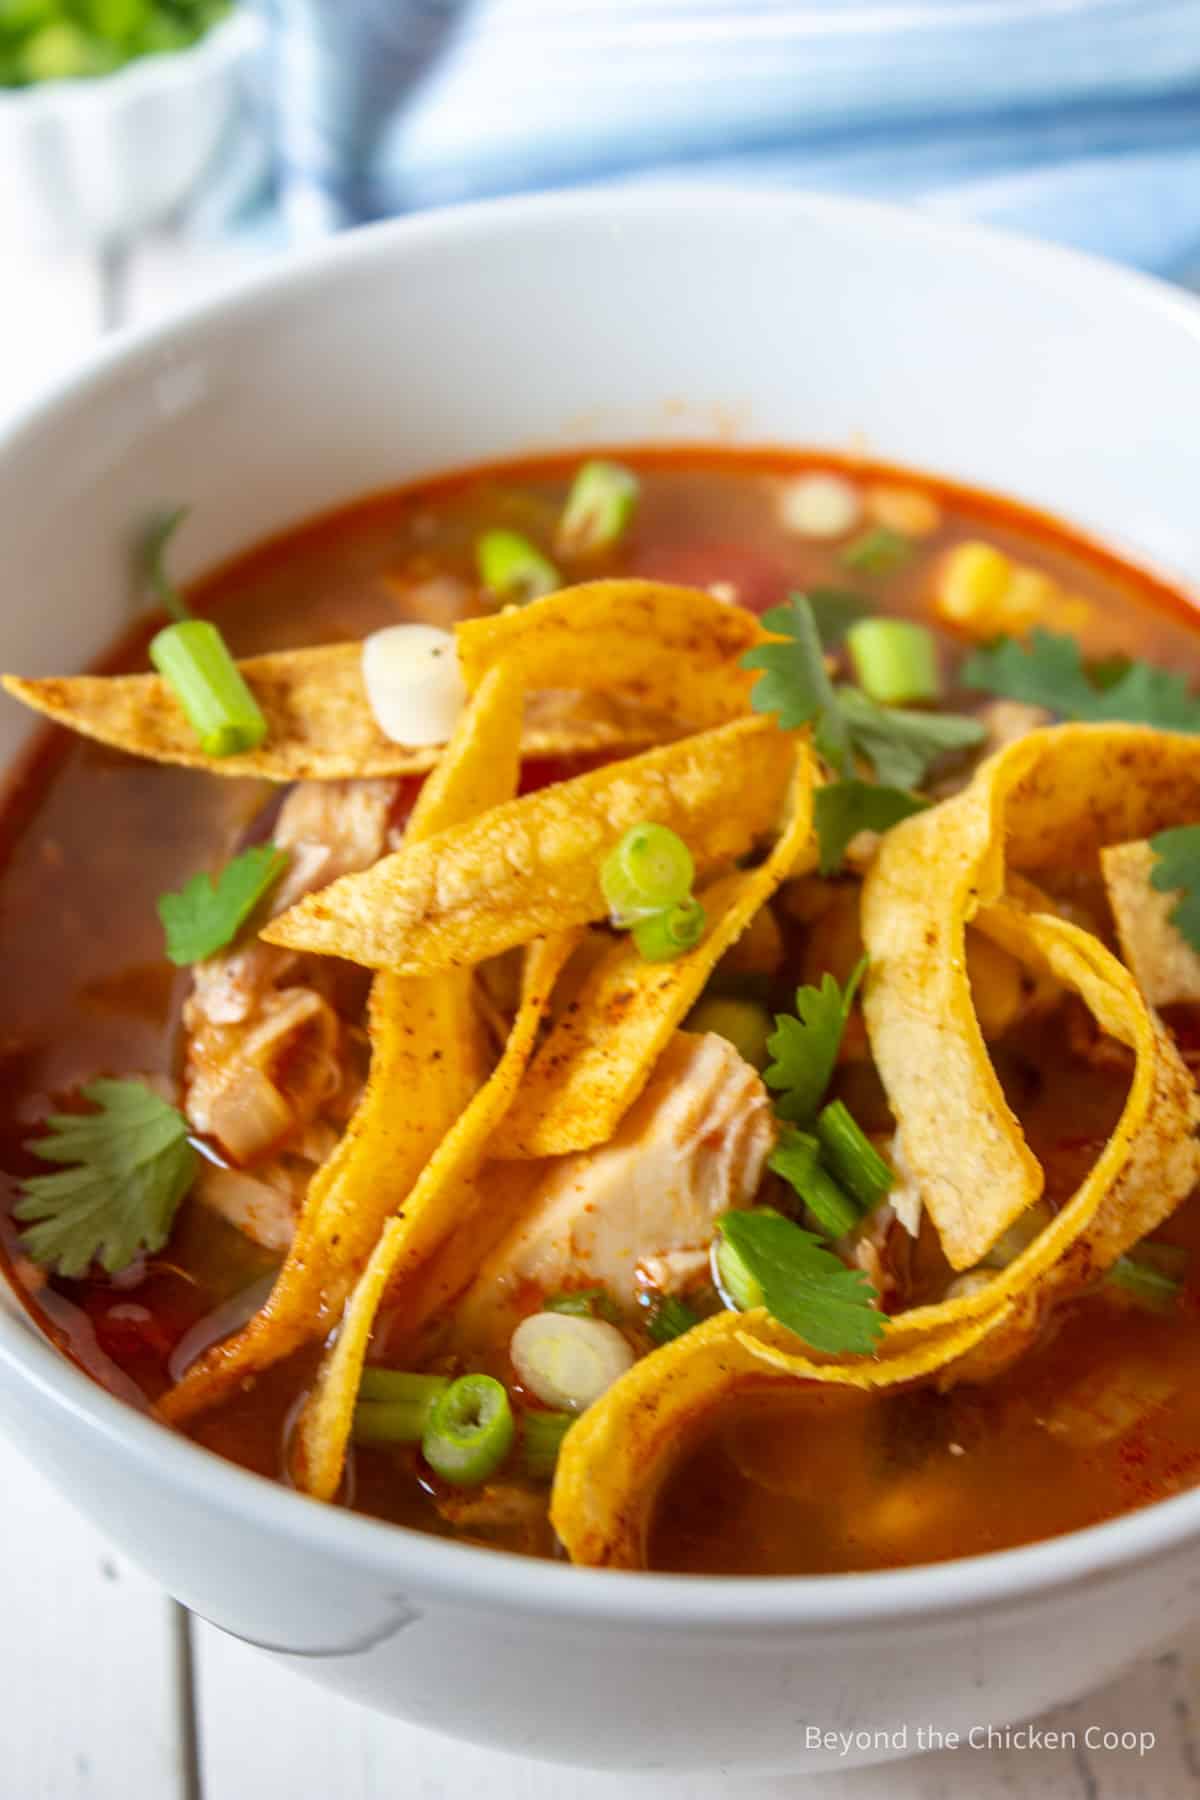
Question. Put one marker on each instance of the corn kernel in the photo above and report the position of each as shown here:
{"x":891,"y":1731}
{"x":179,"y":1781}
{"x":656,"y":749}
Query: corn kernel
{"x":982,"y":592}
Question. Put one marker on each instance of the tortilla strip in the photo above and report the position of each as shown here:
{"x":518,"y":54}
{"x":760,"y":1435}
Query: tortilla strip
{"x":602,"y":1049}
{"x":532,"y":867}
{"x":320,"y":726}
{"x":1165,"y":965}
{"x":442,"y":1194}
{"x":1052,"y":797}
{"x":614,"y":1457}
{"x":672,"y":649}
{"x":427,"y":1060}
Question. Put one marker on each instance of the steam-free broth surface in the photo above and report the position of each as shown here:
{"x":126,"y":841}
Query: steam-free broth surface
{"x":1101,"y":1416}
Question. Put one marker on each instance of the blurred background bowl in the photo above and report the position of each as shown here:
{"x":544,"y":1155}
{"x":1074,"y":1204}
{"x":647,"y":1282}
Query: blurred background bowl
{"x":90,"y":164}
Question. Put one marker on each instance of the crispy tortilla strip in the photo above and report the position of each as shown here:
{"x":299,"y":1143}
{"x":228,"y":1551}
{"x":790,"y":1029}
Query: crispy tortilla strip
{"x":443,"y":1194}
{"x":674,"y":650}
{"x":1052,"y":798}
{"x":428,"y":1058}
{"x":320,"y":726}
{"x":603,"y":1047}
{"x":614,"y":1458}
{"x":532,"y":867}
{"x":1166,"y":967}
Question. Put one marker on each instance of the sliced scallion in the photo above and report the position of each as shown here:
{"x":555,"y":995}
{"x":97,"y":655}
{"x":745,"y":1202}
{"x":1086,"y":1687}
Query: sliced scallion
{"x":851,"y":1155}
{"x":1151,"y":1276}
{"x":470,"y":1431}
{"x":585,"y":1303}
{"x":542,"y":1434}
{"x":648,"y":869}
{"x":738,"y":1287}
{"x":193,"y":658}
{"x":598,"y":510}
{"x":798,"y":1161}
{"x":896,"y":661}
{"x":395,"y":1408}
{"x":666,"y":935}
{"x":513,"y":569}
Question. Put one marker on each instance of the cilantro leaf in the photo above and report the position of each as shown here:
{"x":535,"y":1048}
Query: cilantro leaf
{"x":902,"y":744}
{"x":205,"y":915}
{"x":841,"y":809}
{"x":794,"y":683}
{"x":1177,"y":869}
{"x":1049,"y":671}
{"x":805,"y":1286}
{"x":834,"y":611}
{"x":804,"y":1049}
{"x":128,"y":1165}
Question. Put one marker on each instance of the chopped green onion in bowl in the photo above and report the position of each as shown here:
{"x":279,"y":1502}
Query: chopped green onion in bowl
{"x":649,"y":869}
{"x":470,"y":1431}
{"x":895,"y":660}
{"x":71,"y":40}
{"x":513,"y":570}
{"x":599,"y":509}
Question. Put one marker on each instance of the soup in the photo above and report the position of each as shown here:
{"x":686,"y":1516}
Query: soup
{"x":567,"y":1125}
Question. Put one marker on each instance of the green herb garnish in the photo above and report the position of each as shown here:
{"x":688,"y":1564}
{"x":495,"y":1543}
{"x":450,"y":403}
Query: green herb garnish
{"x":128,"y":1165}
{"x":879,"y":551}
{"x":205,"y":915}
{"x":842,"y":809}
{"x":900,"y":744}
{"x":1151,"y":1276}
{"x":798,"y":1161}
{"x":1048,"y":670}
{"x":585,"y":1303}
{"x":1177,"y":870}
{"x":803,"y":1285}
{"x":794,"y":683}
{"x":805,"y":1048}
{"x":834,"y":611}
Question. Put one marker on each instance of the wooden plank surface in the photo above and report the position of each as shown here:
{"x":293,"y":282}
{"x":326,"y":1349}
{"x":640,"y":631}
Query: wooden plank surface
{"x":91,"y":1695}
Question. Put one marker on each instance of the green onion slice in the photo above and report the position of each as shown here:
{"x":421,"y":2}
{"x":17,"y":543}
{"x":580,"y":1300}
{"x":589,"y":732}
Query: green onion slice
{"x":647,"y":870}
{"x":666,"y":935}
{"x":1152,"y":1276}
{"x":395,"y":1408}
{"x":194,"y":660}
{"x":896,"y":661}
{"x":599,"y":509}
{"x":470,"y":1431}
{"x":513,"y":569}
{"x":738,"y":1288}
{"x":798,"y":1161}
{"x":585,"y":1303}
{"x":852,"y":1156}
{"x":542,"y":1434}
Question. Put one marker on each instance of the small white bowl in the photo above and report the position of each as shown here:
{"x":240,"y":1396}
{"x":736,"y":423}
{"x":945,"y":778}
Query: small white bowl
{"x":469,"y":335}
{"x":90,"y":163}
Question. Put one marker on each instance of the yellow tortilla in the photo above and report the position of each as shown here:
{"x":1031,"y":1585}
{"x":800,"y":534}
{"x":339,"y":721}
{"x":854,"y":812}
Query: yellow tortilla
{"x":532,"y":867}
{"x":1166,"y":967}
{"x":615,"y":1456}
{"x":603,"y":1047}
{"x":320,"y":726}
{"x":440,"y":1198}
{"x":672,"y":650}
{"x":428,"y":1059}
{"x":1051,"y":798}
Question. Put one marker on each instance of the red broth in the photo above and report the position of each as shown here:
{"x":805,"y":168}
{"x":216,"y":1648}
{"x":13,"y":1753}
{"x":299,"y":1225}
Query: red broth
{"x":89,"y":838}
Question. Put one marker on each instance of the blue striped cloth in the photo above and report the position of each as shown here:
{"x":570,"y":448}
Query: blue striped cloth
{"x":1078,"y":120}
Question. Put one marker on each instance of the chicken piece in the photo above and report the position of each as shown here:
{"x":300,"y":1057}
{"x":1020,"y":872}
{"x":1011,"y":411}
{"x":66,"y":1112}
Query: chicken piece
{"x":639,"y":1210}
{"x":265,"y":1047}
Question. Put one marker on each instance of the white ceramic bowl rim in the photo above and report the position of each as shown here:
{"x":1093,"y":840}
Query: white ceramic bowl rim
{"x":666,"y":1603}
{"x":228,"y":41}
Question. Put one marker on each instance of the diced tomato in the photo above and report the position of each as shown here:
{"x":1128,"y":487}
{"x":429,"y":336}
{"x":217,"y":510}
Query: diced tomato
{"x":757,"y":580}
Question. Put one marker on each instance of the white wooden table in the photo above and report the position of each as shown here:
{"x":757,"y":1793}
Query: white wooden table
{"x":109,"y":1691}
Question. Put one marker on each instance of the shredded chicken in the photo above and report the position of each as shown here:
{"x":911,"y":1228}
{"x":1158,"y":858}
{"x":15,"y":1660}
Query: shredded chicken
{"x":640,"y":1209}
{"x":268,"y":1053}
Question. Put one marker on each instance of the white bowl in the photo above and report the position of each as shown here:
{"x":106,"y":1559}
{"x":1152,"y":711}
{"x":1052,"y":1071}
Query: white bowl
{"x":94,"y":162}
{"x":472,"y":334}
